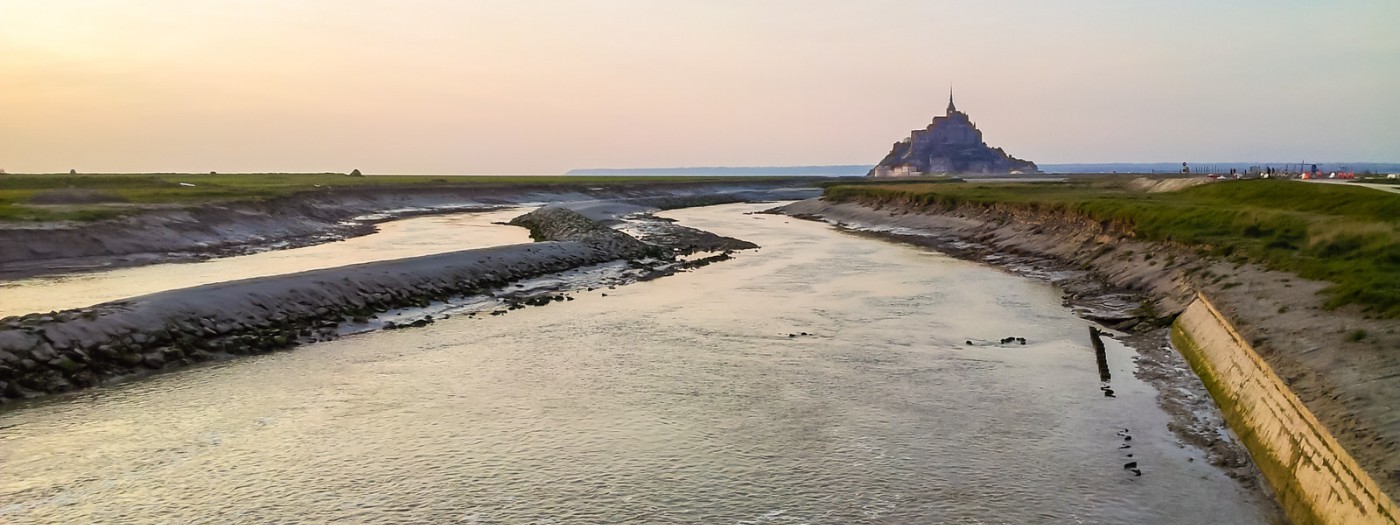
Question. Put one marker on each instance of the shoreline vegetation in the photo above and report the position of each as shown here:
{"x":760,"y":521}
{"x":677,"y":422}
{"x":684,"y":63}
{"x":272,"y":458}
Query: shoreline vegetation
{"x":1347,"y":236}
{"x":99,"y":196}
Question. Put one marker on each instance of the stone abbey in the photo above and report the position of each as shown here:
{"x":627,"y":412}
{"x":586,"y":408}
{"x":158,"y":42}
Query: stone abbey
{"x":950,"y":144}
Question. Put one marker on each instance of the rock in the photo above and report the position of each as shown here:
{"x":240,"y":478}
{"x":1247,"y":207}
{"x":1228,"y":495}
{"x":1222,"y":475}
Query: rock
{"x":107,"y":352}
{"x":56,"y":383}
{"x":153,"y":360}
{"x":1130,"y":464}
{"x":17,"y":341}
{"x":67,"y":364}
{"x":14,"y":390}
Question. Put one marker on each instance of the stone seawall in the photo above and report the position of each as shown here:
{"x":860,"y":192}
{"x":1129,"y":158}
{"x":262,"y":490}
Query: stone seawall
{"x":1314,"y":478}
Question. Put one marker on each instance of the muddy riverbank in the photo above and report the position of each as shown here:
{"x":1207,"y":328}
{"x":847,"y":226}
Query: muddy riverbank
{"x":1127,"y":284}
{"x":233,"y":228}
{"x":74,"y":349}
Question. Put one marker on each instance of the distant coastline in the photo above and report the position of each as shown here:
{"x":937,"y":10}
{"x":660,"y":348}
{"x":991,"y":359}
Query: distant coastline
{"x":859,"y":170}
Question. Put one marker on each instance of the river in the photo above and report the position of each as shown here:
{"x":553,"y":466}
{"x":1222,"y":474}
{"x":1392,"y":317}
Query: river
{"x":679,"y":400}
{"x":394,"y":240}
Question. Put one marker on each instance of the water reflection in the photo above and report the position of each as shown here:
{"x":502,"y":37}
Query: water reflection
{"x":394,"y":240}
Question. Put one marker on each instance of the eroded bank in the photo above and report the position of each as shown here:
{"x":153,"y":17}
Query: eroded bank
{"x":1350,"y":387}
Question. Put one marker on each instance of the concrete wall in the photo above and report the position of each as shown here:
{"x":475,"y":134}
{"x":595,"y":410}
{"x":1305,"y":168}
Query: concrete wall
{"x":1314,"y":479}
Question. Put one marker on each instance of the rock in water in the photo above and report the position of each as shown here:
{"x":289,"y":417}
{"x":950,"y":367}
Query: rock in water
{"x":951,"y":144}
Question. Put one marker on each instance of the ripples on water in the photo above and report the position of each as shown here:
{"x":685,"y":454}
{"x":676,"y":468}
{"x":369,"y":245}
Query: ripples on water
{"x":681,"y":400}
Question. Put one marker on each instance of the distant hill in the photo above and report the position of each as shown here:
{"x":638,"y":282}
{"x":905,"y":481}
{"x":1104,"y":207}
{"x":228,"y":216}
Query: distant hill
{"x":798,"y":171}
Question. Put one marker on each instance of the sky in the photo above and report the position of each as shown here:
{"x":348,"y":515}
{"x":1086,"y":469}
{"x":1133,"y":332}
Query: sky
{"x":544,"y":86}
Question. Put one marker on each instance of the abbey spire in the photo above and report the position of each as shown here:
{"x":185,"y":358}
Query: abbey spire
{"x":951,"y":144}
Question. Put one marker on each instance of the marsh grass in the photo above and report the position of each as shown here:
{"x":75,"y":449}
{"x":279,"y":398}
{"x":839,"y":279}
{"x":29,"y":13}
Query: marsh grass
{"x":18,"y":191}
{"x":1349,"y":236}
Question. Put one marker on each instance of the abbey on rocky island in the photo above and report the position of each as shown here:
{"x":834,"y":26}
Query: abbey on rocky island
{"x":951,"y":144}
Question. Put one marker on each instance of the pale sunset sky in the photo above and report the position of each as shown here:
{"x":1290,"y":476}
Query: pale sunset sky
{"x":536,"y":86}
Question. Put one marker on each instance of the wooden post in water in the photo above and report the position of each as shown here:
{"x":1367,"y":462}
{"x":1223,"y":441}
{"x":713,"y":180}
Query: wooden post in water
{"x":1099,"y":353}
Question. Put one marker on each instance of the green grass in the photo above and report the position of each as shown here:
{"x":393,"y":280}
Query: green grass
{"x":140,"y":190}
{"x":1348,"y":236}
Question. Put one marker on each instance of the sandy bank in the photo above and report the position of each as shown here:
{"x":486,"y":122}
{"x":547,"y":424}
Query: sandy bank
{"x":1353,"y":387}
{"x":220,"y":229}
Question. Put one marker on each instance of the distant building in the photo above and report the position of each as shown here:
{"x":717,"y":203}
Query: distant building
{"x":950,"y":144}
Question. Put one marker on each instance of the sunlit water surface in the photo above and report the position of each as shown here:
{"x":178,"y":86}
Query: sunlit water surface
{"x":394,"y":240}
{"x":680,"y":400}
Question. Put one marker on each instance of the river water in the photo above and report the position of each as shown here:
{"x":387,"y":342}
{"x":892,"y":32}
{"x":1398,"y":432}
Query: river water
{"x":679,"y":400}
{"x":394,"y":240}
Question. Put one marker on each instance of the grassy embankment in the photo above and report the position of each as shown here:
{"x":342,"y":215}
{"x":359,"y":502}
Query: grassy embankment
{"x":1348,"y":236}
{"x":101,"y":196}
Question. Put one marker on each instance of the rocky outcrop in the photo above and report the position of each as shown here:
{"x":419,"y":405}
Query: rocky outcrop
{"x":558,"y":223}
